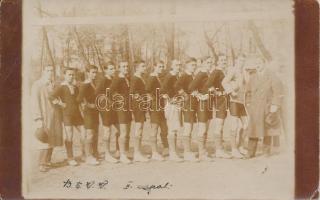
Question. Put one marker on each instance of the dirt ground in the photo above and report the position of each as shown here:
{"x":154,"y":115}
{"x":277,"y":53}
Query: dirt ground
{"x":258,"y":178}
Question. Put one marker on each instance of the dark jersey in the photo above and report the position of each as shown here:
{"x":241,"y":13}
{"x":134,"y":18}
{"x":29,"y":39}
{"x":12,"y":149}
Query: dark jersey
{"x":168,"y":85}
{"x":103,"y":84}
{"x":215,"y":80}
{"x":87,"y":92}
{"x":103,"y":88}
{"x":199,"y":83}
{"x":153,"y":83}
{"x":120,"y":85}
{"x":153,"y":87}
{"x":67,"y":96}
{"x":120,"y":89}
{"x":183,"y":83}
{"x":137,"y":86}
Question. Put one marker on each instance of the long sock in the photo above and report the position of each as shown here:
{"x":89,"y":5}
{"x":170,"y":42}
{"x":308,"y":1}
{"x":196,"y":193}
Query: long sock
{"x":241,"y":139}
{"x":255,"y":145}
{"x":186,"y":144}
{"x":107,"y":149}
{"x":201,"y":148}
{"x":127,"y":143}
{"x":164,"y":140}
{"x":122,"y":145}
{"x":137,"y":145}
{"x":233,"y":139}
{"x":164,"y":134}
{"x":95,"y":145}
{"x":83,"y":152}
{"x":68,"y":146}
{"x":117,"y":142}
{"x":252,"y":146}
{"x":49,"y":155}
{"x":205,"y":137}
{"x":250,"y":152}
{"x":88,"y":148}
{"x":217,"y":142}
{"x":267,"y":144}
{"x":153,"y":144}
{"x":172,"y":144}
{"x":43,"y":156}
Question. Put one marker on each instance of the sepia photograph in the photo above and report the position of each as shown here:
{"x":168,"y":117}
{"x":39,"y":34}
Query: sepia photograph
{"x":158,"y":99}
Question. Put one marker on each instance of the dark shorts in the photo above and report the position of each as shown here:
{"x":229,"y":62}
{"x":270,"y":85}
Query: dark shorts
{"x":189,"y":110}
{"x":203,"y":111}
{"x":156,"y":117}
{"x":221,"y":106}
{"x":91,"y":120}
{"x":124,"y":117}
{"x":237,"y":109}
{"x":109,"y":118}
{"x":139,"y":116}
{"x":72,"y":120}
{"x":189,"y":116}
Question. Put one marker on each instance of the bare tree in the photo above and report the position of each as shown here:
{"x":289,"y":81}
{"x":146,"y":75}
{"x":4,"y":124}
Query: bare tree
{"x":210,"y":40}
{"x":258,"y":41}
{"x":81,"y":48}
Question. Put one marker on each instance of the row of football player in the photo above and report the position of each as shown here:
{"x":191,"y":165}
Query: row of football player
{"x":237,"y":89}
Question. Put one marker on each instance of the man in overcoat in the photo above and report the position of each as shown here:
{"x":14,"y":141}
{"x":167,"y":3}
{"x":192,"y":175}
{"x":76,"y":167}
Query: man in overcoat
{"x":263,"y":96}
{"x":46,"y":115}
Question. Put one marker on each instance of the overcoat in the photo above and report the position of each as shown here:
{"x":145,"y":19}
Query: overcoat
{"x":263,"y":90}
{"x":43,"y":109}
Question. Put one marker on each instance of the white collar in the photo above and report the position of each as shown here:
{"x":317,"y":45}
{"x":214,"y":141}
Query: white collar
{"x":122,"y":76}
{"x":66,"y":83}
{"x":108,"y":77}
{"x":87,"y":81}
{"x":189,"y":73}
{"x":136,"y":75}
{"x":173,"y":73}
{"x":153,"y":74}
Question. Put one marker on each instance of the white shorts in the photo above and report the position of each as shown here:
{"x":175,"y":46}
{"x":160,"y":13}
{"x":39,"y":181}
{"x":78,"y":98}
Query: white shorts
{"x":173,"y":116}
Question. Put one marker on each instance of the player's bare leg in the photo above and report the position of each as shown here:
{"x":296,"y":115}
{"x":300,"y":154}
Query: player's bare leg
{"x":155,"y":155}
{"x":122,"y":143}
{"x":69,"y":145}
{"x":138,"y":157}
{"x":202,"y":129}
{"x":233,"y":137}
{"x":106,"y":140}
{"x":90,"y":160}
{"x":187,"y":154}
{"x":217,"y":132}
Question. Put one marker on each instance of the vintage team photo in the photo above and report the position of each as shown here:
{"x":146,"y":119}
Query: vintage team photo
{"x":158,"y":99}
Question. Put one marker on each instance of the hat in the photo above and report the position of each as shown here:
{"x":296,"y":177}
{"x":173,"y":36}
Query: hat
{"x":272,"y":120}
{"x":42,"y":135}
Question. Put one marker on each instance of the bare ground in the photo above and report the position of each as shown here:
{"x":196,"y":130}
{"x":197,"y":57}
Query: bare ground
{"x":258,"y":178}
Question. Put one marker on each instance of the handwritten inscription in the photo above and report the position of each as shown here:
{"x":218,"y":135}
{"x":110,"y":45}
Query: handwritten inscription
{"x":148,"y":187}
{"x":85,"y":184}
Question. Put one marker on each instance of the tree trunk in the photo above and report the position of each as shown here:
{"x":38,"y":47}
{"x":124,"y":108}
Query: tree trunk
{"x":170,"y":43}
{"x":114,"y":50}
{"x":266,"y":54}
{"x":68,"y":52}
{"x":211,"y":46}
{"x":81,"y":49}
{"x":98,"y":57}
{"x":47,"y":46}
